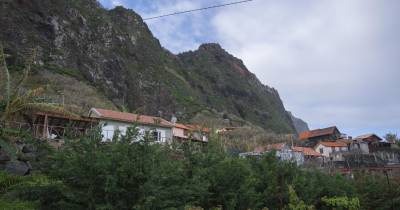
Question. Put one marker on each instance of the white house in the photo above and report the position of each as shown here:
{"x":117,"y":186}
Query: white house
{"x":359,"y":146}
{"x":325,"y":148}
{"x":283,"y":151}
{"x":112,"y":121}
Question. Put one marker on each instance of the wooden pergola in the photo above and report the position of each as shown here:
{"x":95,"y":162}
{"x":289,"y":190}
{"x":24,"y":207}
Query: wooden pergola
{"x":47,"y":125}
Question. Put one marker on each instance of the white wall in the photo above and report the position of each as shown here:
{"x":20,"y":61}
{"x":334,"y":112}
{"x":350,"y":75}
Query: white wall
{"x":328,"y":150}
{"x":110,"y":127}
{"x":179,"y":132}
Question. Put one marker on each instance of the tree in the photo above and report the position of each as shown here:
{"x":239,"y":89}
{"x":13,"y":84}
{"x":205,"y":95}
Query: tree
{"x":295,"y":203}
{"x":342,"y":203}
{"x":392,"y":138}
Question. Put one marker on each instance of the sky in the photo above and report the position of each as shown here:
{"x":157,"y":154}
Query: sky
{"x":333,"y":62}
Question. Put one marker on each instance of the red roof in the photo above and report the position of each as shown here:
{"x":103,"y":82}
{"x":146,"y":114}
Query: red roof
{"x":132,"y":118}
{"x":333,"y":143}
{"x":306,"y":151}
{"x":198,"y":127}
{"x":369,"y":137}
{"x":318,"y":132}
{"x":192,"y":127}
{"x":181,"y":126}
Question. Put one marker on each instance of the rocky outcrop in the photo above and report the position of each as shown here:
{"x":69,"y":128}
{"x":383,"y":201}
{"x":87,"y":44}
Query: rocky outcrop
{"x":115,"y":52}
{"x":299,"y":124}
{"x":19,"y":168}
{"x":20,"y":165}
{"x":225,"y":83}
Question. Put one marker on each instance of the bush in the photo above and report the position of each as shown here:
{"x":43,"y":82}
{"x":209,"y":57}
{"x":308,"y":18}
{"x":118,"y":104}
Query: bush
{"x":129,"y":173}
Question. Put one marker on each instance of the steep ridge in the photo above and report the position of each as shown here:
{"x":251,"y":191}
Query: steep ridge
{"x":115,"y":53}
{"x":299,"y":124}
{"x":227,"y":85}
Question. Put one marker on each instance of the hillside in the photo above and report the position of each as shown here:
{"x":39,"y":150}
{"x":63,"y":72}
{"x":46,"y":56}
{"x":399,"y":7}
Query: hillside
{"x":110,"y":59}
{"x":299,"y":124}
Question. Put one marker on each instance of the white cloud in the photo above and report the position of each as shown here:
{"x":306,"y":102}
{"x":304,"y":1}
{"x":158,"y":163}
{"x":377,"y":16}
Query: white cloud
{"x":329,"y":59}
{"x":182,"y":32}
{"x":117,"y":3}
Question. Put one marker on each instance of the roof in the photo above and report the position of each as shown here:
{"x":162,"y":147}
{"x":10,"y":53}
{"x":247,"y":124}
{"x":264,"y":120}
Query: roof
{"x":227,"y":129}
{"x":306,"y":151}
{"x":197,"y":127}
{"x":181,"y":126}
{"x":131,"y":118}
{"x":346,"y":141}
{"x":318,"y":132}
{"x":191,"y":127}
{"x":367,"y":136}
{"x":270,"y":147}
{"x":332,"y":143}
{"x":66,"y":116}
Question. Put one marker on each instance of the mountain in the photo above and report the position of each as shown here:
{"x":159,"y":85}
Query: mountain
{"x":299,"y":124}
{"x":109,"y":58}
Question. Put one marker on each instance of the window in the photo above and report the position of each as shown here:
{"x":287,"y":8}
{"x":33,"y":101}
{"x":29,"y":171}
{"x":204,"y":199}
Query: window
{"x":321,"y":150}
{"x":156,"y":135}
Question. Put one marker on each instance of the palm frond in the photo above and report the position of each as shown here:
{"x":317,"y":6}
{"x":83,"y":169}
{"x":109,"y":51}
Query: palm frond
{"x":26,"y":72}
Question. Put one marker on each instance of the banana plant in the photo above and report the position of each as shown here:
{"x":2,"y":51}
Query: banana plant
{"x":18,"y":100}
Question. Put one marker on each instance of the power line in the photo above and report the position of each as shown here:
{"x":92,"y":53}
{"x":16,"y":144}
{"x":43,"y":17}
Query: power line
{"x":199,"y":9}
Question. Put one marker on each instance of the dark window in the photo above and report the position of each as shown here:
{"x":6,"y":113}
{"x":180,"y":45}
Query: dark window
{"x":156,"y":135}
{"x":321,"y":150}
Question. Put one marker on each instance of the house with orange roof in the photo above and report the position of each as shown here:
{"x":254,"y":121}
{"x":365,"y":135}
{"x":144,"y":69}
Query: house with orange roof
{"x":326,"y":148}
{"x":190,"y":132}
{"x":331,"y":133}
{"x":299,"y":155}
{"x":308,"y":152}
{"x":283,"y":151}
{"x":114,"y":121}
{"x":369,"y":138}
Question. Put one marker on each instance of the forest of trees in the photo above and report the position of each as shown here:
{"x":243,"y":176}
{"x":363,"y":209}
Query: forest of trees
{"x":129,"y":174}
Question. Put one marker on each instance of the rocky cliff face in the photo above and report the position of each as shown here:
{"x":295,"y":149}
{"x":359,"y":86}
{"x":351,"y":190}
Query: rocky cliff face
{"x":114,"y":52}
{"x":225,"y":84}
{"x":299,"y":124}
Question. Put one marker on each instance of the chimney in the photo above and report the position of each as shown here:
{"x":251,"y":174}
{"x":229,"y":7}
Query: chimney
{"x":174,"y":119}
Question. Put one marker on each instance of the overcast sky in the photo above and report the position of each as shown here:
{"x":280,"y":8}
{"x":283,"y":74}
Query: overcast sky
{"x":333,"y":62}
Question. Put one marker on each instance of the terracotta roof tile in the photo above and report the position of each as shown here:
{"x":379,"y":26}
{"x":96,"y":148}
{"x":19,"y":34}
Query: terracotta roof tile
{"x":306,"y":151}
{"x":181,"y":126}
{"x":318,"y":132}
{"x":304,"y":135}
{"x":333,"y":143}
{"x":197,"y":127}
{"x":133,"y":118}
{"x":367,"y":137}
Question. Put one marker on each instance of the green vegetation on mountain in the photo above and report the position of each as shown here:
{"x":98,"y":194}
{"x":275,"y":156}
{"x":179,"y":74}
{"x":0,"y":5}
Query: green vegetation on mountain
{"x":110,"y":59}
